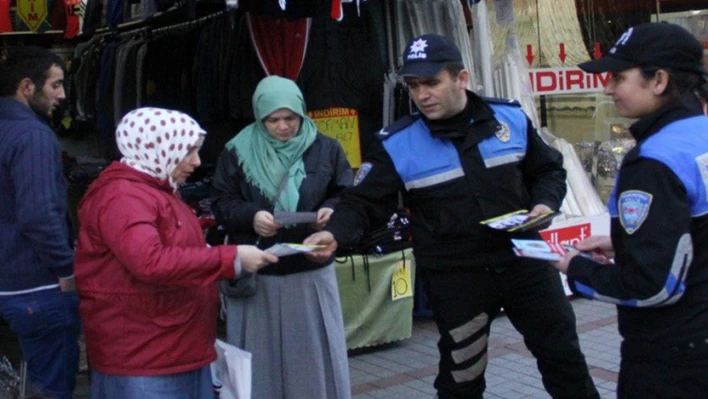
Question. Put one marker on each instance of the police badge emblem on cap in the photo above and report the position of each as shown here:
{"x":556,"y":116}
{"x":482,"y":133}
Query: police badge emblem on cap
{"x":503,"y":133}
{"x":417,"y":49}
{"x":427,"y":54}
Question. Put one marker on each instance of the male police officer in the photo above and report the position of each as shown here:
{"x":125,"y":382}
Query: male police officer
{"x":461,"y":160}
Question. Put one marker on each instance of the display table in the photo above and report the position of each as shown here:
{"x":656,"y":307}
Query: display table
{"x":371,"y":315}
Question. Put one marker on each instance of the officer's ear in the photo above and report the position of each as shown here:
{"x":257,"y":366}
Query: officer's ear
{"x":660,"y":82}
{"x":463,"y":78}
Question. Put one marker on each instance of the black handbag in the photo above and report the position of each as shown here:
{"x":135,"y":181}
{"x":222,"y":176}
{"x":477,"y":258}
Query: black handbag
{"x":242,"y":287}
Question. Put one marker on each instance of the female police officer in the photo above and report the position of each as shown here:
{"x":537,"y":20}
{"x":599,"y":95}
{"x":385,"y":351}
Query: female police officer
{"x":659,"y":210}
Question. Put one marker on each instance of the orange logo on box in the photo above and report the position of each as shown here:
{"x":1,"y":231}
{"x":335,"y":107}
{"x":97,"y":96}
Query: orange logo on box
{"x":32,"y":12}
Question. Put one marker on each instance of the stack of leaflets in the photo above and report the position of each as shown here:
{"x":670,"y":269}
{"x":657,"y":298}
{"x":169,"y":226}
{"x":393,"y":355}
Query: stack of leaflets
{"x":519,"y":221}
{"x":553,"y":252}
{"x":289,"y":248}
{"x":539,"y":249}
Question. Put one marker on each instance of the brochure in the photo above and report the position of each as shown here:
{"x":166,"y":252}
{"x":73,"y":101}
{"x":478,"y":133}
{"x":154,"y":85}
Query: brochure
{"x":519,"y":221}
{"x":539,"y":249}
{"x":285,"y":249}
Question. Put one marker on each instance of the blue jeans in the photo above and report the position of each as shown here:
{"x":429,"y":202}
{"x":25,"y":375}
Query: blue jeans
{"x":189,"y":385}
{"x":47,"y":325}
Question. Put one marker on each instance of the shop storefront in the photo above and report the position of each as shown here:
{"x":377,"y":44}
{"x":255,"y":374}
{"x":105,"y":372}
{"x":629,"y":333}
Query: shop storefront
{"x":203,"y":59}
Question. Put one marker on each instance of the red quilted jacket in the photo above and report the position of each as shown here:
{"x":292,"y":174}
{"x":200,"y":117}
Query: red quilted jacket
{"x":145,"y":277}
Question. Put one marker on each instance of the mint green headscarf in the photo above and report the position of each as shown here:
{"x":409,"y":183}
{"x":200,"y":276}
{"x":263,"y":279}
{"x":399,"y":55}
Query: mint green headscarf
{"x":264,"y":159}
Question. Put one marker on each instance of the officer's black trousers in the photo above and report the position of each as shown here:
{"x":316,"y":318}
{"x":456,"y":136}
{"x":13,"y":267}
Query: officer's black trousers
{"x":681,"y":375}
{"x":464,"y":303}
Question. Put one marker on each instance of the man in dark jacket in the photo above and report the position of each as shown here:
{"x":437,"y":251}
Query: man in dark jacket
{"x":461,"y":160}
{"x":37,"y":296}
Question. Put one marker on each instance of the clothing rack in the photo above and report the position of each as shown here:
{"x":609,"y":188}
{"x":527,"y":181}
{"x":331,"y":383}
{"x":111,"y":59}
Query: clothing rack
{"x":146,"y":26}
{"x":187,"y":25}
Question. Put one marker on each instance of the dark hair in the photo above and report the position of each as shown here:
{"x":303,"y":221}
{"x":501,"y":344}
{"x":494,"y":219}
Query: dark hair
{"x":453,"y":68}
{"x":25,"y":62}
{"x":680,"y":82}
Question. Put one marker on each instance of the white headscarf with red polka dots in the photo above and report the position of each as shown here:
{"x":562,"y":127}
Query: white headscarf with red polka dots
{"x":154,"y":140}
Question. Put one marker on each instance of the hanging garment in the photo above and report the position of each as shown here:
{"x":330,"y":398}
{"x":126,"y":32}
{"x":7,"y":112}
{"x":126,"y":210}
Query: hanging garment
{"x":280,"y":44}
{"x":337,"y":12}
{"x":244,"y":75}
{"x":93,"y":16}
{"x":57,"y":14}
{"x":72,"y":9}
{"x":288,"y":9}
{"x":211,"y":69}
{"x":344,"y":67}
{"x":5,"y":22}
{"x":115,"y":13}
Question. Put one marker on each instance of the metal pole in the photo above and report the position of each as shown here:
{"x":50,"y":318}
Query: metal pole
{"x":541,"y":62}
{"x":388,"y":10}
{"x":538,"y":34}
{"x":483,"y":41}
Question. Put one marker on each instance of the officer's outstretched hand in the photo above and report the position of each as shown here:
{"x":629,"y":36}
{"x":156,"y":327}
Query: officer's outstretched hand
{"x":539,"y":209}
{"x":321,"y":238}
{"x":564,"y":262}
{"x":598,"y":244}
{"x":597,"y":248}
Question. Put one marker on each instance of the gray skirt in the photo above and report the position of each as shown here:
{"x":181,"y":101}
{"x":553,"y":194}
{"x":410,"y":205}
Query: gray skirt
{"x":293,"y":326}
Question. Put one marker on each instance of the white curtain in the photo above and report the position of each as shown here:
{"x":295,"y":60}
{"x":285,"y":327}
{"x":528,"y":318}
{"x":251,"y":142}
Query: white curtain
{"x":444,"y":17}
{"x":550,"y":22}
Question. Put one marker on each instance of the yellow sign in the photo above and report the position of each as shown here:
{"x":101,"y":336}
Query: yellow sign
{"x":401,"y":286}
{"x":341,"y":124}
{"x":32,"y":12}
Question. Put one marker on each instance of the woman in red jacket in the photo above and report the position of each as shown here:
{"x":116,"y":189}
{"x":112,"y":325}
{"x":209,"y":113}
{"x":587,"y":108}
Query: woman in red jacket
{"x":145,"y":277}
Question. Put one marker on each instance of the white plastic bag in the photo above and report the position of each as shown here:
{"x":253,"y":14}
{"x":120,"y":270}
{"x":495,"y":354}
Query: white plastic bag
{"x":233,"y":369}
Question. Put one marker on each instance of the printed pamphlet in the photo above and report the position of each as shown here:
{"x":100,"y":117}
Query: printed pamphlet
{"x":285,"y":249}
{"x":519,"y":221}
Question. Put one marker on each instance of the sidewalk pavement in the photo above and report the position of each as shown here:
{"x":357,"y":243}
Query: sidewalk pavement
{"x":406,"y":369}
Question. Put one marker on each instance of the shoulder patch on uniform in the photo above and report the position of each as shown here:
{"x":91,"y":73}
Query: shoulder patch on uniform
{"x":397,"y":126}
{"x":702,"y":161}
{"x":633,"y":209}
{"x":503,"y":132}
{"x":502,"y":101}
{"x":361,"y":173}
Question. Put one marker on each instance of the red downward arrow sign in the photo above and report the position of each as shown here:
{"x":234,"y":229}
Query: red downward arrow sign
{"x":562,"y":54}
{"x":597,"y":52}
{"x":529,"y":54}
